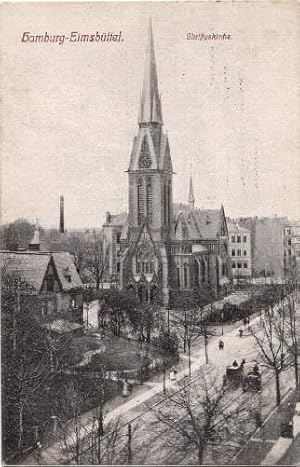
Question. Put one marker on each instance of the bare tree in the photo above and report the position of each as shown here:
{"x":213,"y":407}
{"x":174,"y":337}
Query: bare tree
{"x":189,"y":327}
{"x":270,"y":338}
{"x":197,"y":415}
{"x":96,"y":258}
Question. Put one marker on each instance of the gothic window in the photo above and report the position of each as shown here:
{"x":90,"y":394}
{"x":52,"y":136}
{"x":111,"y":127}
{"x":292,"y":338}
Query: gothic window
{"x":149,"y":202}
{"x":166,"y":203}
{"x":145,"y":159}
{"x":197,"y":273}
{"x":169,"y":203}
{"x":140,"y":193}
{"x":203,"y":272}
{"x":138,"y":267}
{"x":178,"y":277}
{"x":185,"y":275}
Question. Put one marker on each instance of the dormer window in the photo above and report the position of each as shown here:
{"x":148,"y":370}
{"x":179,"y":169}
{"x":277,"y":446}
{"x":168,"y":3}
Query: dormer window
{"x":67,"y":274}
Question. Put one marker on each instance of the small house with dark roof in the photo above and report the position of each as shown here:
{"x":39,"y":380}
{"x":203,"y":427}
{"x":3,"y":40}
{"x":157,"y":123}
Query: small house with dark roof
{"x":159,"y":245}
{"x":53,"y":277}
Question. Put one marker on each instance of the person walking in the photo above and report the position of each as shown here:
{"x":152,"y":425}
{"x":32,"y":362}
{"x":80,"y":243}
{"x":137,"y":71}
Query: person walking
{"x":221,"y":344}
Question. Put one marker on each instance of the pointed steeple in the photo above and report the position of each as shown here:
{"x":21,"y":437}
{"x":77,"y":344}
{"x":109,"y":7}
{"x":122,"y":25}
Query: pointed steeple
{"x":191,"y":197}
{"x":150,"y":106}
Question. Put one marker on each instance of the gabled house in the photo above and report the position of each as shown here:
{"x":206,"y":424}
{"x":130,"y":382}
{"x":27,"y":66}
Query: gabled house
{"x":54,"y":279}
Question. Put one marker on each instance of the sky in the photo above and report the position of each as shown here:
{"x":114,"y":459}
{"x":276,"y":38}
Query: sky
{"x":69,"y":112}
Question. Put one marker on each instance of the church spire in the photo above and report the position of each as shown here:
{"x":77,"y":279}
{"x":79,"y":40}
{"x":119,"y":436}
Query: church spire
{"x":191,"y":197}
{"x":150,"y":106}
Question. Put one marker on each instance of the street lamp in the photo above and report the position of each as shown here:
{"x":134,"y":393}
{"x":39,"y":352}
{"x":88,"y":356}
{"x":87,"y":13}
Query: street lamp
{"x":222,"y":318}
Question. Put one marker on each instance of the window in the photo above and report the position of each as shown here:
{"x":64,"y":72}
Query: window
{"x":118,"y":237}
{"x":166,"y":203}
{"x":239,"y":265}
{"x":232,"y":238}
{"x":238,"y":239}
{"x":185,"y":275}
{"x":50,"y":283}
{"x":245,"y":265}
{"x":203,"y":271}
{"x":245,"y":238}
{"x":118,"y":267}
{"x":233,"y":264}
{"x":73,"y":303}
{"x":245,"y":252}
{"x":149,"y":202}
{"x":138,"y":267}
{"x":233,"y":252}
{"x":140,"y":191}
{"x":178,"y":277}
{"x":239,"y":253}
{"x":169,"y":203}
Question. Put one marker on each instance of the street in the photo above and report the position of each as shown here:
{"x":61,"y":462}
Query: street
{"x":134,"y":409}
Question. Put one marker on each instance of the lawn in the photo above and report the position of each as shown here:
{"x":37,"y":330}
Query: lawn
{"x":121,"y":354}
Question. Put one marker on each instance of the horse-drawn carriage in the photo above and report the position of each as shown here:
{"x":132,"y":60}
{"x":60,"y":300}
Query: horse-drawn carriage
{"x":237,"y":375}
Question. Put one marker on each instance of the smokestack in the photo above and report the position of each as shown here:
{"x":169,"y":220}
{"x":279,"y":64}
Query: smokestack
{"x":61,"y":216}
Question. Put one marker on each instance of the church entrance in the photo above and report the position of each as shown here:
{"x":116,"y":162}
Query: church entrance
{"x":143,"y":293}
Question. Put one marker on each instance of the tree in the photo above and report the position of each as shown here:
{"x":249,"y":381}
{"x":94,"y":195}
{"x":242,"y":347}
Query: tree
{"x":25,"y":368}
{"x":189,"y":326}
{"x":197,"y":415}
{"x":270,"y":342}
{"x":17,"y":234}
{"x":96,"y":258}
{"x":76,"y":245}
{"x":119,"y":309}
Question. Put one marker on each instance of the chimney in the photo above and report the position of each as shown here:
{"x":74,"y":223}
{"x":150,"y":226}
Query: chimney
{"x":61,"y":215}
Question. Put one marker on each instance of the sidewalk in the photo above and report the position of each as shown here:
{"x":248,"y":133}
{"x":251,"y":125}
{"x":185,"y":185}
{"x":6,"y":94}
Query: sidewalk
{"x":265,"y":446}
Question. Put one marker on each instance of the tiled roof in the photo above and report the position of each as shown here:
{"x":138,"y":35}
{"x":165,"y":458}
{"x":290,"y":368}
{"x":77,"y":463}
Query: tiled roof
{"x":68,"y":275}
{"x":30,"y":266}
{"x":197,"y":223}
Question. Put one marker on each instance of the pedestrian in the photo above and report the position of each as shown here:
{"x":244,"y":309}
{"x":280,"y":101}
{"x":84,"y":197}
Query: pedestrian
{"x":172,"y":374}
{"x":241,"y":332}
{"x":38,"y":452}
{"x":221,"y":344}
{"x":244,"y":321}
{"x":235,"y":363}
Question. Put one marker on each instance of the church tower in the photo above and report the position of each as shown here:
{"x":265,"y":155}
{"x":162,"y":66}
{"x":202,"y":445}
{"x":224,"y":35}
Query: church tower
{"x":150,"y":169}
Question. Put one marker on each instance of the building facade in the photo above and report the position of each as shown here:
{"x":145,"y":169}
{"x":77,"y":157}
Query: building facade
{"x":240,"y":250}
{"x":159,"y":245}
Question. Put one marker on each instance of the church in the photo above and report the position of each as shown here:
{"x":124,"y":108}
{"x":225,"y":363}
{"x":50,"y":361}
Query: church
{"x":159,"y":245}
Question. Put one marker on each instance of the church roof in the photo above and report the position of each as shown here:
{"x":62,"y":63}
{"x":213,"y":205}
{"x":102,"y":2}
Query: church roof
{"x":150,"y":106}
{"x":196,"y":223}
